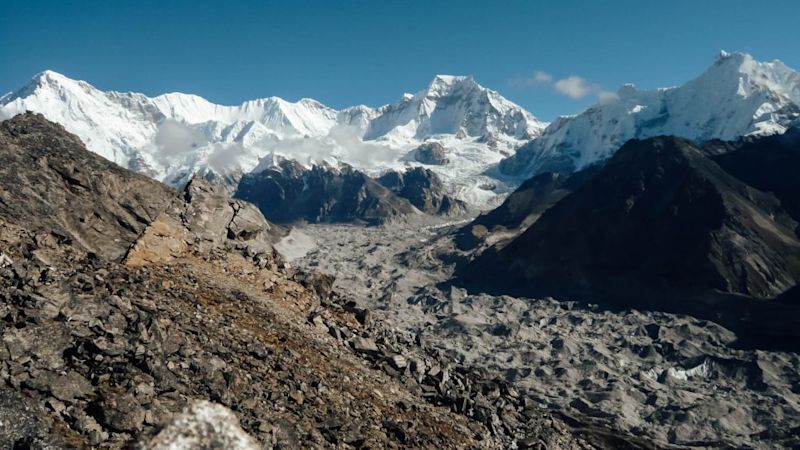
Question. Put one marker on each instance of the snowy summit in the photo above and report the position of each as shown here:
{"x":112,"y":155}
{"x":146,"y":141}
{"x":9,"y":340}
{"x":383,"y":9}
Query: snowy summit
{"x":736,"y":96}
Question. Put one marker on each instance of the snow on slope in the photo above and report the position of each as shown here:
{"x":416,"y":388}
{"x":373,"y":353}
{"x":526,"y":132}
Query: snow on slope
{"x":734,"y":97}
{"x":171,"y":136}
{"x":458,"y":106}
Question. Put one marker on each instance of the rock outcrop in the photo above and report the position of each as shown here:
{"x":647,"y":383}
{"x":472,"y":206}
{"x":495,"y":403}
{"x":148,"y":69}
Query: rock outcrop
{"x":424,"y":189}
{"x":203,"y":219}
{"x":431,"y":153}
{"x":53,"y":185}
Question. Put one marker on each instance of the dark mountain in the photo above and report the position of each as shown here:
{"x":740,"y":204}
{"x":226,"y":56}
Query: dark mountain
{"x":424,"y":189}
{"x":662,"y":226}
{"x":290,"y":192}
{"x":769,"y":164}
{"x":522,"y":208}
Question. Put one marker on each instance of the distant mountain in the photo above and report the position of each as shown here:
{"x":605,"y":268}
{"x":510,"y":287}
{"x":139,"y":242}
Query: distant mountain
{"x":172,"y":136}
{"x":287,"y":192}
{"x":521,"y":208}
{"x":458,"y":106}
{"x":659,"y":217}
{"x":736,"y":96}
{"x":771,"y":164}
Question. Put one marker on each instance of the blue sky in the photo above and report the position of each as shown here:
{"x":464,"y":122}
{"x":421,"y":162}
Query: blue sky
{"x":348,"y":52}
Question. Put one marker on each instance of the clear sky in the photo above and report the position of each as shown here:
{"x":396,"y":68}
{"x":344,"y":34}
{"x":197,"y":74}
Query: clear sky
{"x":349,"y":52}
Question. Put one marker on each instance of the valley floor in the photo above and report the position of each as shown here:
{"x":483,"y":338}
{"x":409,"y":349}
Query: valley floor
{"x":661,"y":379}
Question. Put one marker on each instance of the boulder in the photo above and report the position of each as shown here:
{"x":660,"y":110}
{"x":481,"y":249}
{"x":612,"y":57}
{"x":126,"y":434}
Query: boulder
{"x":203,"y":425}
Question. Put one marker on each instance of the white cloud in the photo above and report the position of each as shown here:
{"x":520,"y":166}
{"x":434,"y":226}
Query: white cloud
{"x":176,"y":139}
{"x":341,"y":143}
{"x":574,"y":87}
{"x":607,"y":96}
{"x":541,"y":76}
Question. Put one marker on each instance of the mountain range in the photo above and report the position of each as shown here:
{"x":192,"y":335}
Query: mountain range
{"x":488,"y":144}
{"x":736,"y":96}
{"x":172,"y":136}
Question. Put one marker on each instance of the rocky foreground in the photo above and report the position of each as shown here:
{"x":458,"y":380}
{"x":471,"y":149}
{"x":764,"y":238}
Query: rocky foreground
{"x":137,"y":316}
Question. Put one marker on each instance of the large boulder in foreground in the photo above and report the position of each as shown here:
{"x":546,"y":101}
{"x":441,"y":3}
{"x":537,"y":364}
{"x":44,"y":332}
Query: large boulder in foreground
{"x":203,"y":425}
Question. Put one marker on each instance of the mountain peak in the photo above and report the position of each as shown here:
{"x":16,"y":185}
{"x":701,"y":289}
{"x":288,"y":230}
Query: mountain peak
{"x":447,"y":84}
{"x":735,"y":96}
{"x":724,"y":56}
{"x":49,"y":75}
{"x":41,"y":79}
{"x":748,"y":76}
{"x":53,"y":78}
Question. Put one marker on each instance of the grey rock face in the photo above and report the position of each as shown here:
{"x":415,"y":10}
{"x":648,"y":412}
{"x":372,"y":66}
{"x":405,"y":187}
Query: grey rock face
{"x":217,"y":218}
{"x":431,"y":153}
{"x":424,"y":189}
{"x":73,"y":194}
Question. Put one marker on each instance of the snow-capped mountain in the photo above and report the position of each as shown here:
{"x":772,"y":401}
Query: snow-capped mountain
{"x":736,"y":96}
{"x":171,"y":136}
{"x":457,"y":106}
